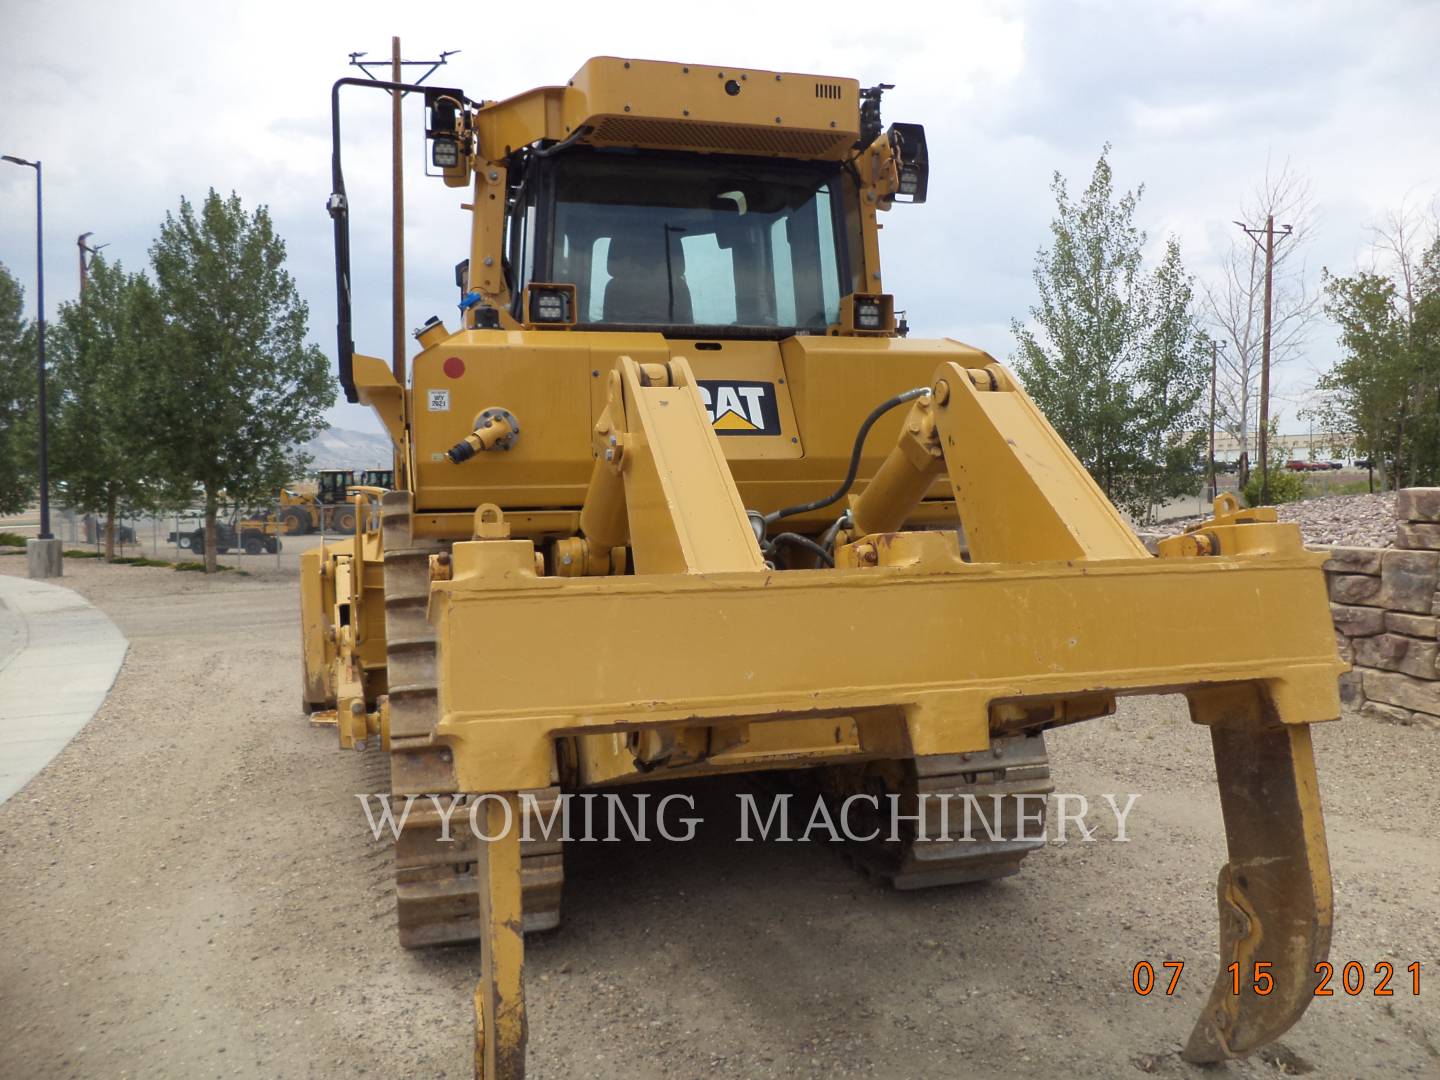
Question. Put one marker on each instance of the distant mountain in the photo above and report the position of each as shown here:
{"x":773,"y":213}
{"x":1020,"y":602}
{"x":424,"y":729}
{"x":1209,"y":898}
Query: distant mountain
{"x":339,"y":448}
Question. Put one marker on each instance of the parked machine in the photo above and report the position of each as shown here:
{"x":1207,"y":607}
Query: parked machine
{"x":92,"y":531}
{"x":677,"y":445}
{"x":329,"y":509}
{"x":253,"y":535}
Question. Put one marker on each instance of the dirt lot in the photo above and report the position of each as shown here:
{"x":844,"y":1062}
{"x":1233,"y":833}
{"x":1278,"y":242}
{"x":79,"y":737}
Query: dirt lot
{"x":190,"y":890}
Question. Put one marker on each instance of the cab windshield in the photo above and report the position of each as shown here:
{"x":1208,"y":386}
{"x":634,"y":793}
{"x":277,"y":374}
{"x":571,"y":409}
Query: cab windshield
{"x":702,"y":244}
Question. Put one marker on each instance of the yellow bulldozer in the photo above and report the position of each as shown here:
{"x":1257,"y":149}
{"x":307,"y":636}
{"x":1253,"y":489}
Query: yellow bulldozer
{"x":680,"y":448}
{"x":329,"y":508}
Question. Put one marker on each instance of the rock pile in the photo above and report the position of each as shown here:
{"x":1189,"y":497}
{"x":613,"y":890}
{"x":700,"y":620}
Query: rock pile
{"x":1344,"y":520}
{"x":1386,"y":608}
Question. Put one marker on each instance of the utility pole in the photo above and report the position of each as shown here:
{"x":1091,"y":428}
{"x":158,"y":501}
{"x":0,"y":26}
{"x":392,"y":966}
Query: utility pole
{"x":86,"y":249}
{"x":1269,"y":248}
{"x":397,"y":192}
{"x":1265,"y":362}
{"x":397,"y":221}
{"x":1214,"y":363}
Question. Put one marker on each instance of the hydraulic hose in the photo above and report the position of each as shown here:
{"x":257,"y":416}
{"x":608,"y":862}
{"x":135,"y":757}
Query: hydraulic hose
{"x":849,"y":481}
{"x":564,"y":144}
{"x":803,"y":542}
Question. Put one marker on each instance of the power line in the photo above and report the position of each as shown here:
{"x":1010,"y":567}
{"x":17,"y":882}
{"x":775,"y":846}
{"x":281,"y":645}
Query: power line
{"x":429,"y":65}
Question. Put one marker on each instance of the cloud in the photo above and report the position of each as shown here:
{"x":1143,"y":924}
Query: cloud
{"x":132,"y":106}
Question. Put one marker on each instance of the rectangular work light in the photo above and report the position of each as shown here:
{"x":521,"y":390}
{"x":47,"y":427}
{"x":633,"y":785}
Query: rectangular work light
{"x":868,"y":313}
{"x":550,"y":305}
{"x":444,"y":152}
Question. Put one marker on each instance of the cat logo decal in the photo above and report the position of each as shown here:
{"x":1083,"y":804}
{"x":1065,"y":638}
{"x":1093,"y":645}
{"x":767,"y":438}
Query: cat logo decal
{"x":740,"y":408}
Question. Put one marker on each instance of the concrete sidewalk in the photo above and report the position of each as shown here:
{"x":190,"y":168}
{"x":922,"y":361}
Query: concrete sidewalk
{"x":59,"y":656}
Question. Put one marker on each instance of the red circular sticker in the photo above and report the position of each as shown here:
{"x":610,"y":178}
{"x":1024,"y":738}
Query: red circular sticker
{"x":454,"y":367}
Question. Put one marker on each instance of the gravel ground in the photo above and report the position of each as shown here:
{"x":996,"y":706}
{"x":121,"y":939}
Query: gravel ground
{"x":190,"y":890}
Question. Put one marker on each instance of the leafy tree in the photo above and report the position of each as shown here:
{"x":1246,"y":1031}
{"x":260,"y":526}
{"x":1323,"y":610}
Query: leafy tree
{"x":238,"y":389}
{"x":102,"y":443}
{"x":1424,"y":458}
{"x":1171,"y":379}
{"x":17,"y":398}
{"x":1386,"y":385}
{"x":1113,"y":354}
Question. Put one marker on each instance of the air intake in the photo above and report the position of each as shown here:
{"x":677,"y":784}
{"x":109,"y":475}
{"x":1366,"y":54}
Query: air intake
{"x":828,"y":91}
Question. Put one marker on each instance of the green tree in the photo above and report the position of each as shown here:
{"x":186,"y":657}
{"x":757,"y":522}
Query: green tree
{"x":238,"y":389}
{"x":1113,"y":355}
{"x":1386,"y":385}
{"x":1171,"y":380}
{"x":17,"y":398}
{"x":101,"y":447}
{"x":1424,"y":457}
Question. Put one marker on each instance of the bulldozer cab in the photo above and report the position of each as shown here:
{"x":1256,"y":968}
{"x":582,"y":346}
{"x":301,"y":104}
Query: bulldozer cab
{"x":380,"y":478}
{"x":684,"y":243}
{"x":688,"y":200}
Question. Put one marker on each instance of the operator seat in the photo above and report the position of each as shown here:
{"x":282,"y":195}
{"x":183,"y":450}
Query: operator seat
{"x":636,"y":291}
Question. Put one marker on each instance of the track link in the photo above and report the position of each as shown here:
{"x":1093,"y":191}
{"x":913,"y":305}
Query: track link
{"x":437,"y":895}
{"x":1017,"y":765}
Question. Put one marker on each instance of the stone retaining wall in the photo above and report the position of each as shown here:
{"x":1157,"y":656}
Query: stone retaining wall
{"x":1386,"y":607}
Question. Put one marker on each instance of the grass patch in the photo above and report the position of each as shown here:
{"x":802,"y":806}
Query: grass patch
{"x":199,"y":568}
{"x":11,"y":540}
{"x":11,"y":551}
{"x":1316,"y":488}
{"x":141,"y":560}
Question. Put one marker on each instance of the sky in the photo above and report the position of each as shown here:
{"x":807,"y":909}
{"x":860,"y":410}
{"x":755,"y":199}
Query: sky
{"x":132,"y":105}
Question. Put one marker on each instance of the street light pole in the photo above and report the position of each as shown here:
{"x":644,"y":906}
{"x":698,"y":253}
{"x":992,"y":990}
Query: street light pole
{"x":40,"y":339}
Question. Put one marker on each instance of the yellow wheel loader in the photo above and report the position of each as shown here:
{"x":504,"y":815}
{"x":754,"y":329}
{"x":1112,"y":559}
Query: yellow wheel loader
{"x":328,"y":508}
{"x":678,"y":422}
